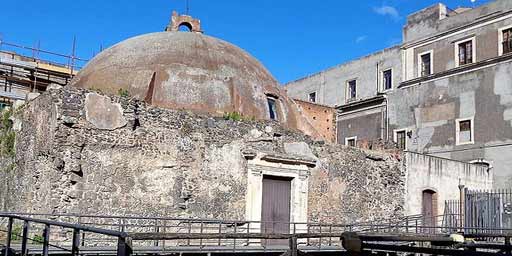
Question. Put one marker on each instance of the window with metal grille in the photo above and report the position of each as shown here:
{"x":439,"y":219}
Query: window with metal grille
{"x":465,"y":132}
{"x":401,"y":140}
{"x":272,"y":108}
{"x":507,"y":40}
{"x":352,"y":89}
{"x":426,"y":67}
{"x":387,"y":80}
{"x":466,"y":52}
{"x":312,"y":97}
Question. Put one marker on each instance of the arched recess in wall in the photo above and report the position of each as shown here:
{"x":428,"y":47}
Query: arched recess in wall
{"x":429,"y":208}
{"x":482,"y":162}
{"x":185,"y":26}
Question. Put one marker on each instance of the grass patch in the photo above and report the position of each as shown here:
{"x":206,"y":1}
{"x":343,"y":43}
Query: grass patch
{"x":236,"y":116}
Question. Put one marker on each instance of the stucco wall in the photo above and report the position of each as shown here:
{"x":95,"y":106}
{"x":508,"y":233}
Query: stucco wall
{"x":437,"y":18}
{"x":486,"y":45}
{"x":365,"y":125}
{"x":331,"y":85}
{"x":81,"y":152}
{"x":430,"y":111}
{"x":442,"y":176}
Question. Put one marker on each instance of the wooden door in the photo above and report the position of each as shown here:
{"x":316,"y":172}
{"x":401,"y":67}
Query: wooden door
{"x":275,"y":210}
{"x":429,"y":207}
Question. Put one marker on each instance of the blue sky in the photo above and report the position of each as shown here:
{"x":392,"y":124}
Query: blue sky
{"x":293,"y":38}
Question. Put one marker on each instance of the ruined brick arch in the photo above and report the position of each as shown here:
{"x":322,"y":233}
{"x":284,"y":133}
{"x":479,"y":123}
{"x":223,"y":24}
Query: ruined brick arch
{"x":180,"y":21}
{"x":186,"y":25}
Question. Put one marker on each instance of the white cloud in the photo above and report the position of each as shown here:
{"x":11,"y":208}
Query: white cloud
{"x":360,"y":39}
{"x":387,"y":10}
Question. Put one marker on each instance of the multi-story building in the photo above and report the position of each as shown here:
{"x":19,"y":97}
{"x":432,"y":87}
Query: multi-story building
{"x":445,"y":91}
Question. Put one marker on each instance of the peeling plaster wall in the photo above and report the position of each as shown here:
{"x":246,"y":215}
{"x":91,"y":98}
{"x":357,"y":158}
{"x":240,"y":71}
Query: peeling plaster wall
{"x":442,"y":176}
{"x":431,"y":108}
{"x":179,"y":164}
{"x":331,"y":85}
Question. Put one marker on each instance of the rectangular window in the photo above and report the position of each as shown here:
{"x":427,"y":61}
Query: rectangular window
{"x":351,"y":141}
{"x":465,"y":52}
{"x":507,"y":40}
{"x":401,"y":139}
{"x":272,"y":108}
{"x":387,"y":80}
{"x":352,"y":90}
{"x":464,"y":131}
{"x":312,"y":97}
{"x":426,"y":64}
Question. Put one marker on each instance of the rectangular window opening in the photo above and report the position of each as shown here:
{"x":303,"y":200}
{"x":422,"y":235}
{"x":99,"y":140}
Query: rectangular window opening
{"x":401,"y":139}
{"x":507,"y":41}
{"x":312,"y":97}
{"x":272,"y":108}
{"x":426,"y":64}
{"x":387,"y":79}
{"x":351,"y":141}
{"x":352,"y":90}
{"x":465,"y":52}
{"x":465,"y":131}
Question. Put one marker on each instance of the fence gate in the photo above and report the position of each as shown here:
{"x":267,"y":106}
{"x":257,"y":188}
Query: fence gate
{"x":487,"y":210}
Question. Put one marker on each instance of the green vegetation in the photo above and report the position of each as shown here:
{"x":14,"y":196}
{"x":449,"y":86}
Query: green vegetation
{"x":235,"y":116}
{"x":37,"y":239}
{"x":7,"y":135}
{"x":123,"y":93}
{"x":16,"y":232}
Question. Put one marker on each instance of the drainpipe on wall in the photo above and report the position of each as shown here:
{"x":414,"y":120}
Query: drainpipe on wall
{"x":387,"y":118}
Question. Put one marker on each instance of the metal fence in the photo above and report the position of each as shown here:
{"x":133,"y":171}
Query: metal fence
{"x":488,"y":210}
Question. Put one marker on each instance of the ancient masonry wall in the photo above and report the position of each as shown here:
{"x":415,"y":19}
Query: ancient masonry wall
{"x":82,"y":152}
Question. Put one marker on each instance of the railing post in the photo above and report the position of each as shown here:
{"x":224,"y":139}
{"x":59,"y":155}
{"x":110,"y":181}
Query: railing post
{"x":507,"y":244}
{"x":124,"y":246}
{"x":293,"y":246}
{"x":406,"y":224}
{"x":461,"y":207}
{"x":24,"y":238}
{"x":46,"y":239}
{"x":9,"y":236}
{"x":75,"y":247}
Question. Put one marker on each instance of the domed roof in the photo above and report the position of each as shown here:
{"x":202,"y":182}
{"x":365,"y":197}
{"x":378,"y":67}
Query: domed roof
{"x":191,"y":71}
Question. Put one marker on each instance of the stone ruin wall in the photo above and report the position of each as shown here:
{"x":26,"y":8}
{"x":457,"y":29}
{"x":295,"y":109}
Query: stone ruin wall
{"x":81,"y":152}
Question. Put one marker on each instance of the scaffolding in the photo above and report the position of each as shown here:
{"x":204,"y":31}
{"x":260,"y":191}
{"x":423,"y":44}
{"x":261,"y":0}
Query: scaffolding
{"x":25,"y":70}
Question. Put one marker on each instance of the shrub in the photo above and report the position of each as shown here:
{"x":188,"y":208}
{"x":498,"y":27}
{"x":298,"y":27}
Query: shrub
{"x":235,"y":116}
{"x":123,"y":93}
{"x":7,"y":135}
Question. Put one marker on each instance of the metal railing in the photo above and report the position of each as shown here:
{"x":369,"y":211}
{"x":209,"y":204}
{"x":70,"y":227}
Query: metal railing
{"x":122,"y":235}
{"x":123,"y":241}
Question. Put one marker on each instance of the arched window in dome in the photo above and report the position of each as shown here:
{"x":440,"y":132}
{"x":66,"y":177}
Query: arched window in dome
{"x":272,"y":107}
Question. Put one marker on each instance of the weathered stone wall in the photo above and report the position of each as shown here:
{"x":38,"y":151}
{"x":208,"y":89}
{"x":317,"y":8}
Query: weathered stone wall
{"x":81,"y":152}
